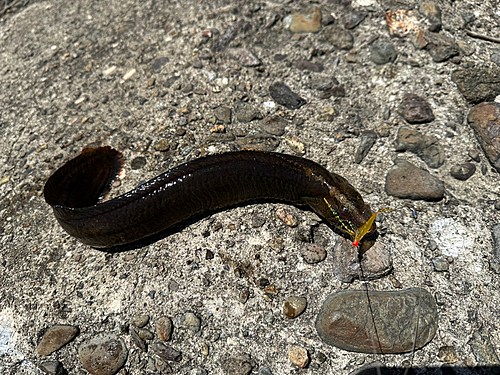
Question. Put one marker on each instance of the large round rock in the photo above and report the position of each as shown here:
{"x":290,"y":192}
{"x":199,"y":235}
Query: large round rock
{"x":378,"y":322}
{"x":103,"y":355}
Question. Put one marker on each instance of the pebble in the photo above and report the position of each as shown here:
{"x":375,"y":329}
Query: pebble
{"x":138,"y":341}
{"x":103,"y":355}
{"x":346,"y":320}
{"x":405,"y":180}
{"x":196,"y":63}
{"x":165,"y":352}
{"x":298,"y":356}
{"x":277,"y":244}
{"x":309,"y":65}
{"x":416,"y":110}
{"x":351,"y":20}
{"x":440,"y":264}
{"x":313,"y":253}
{"x":426,"y":147}
{"x":139,"y":320}
{"x":375,"y":263}
{"x":308,"y":21}
{"x":246,"y":112}
{"x":323,"y":83}
{"x":274,"y":125}
{"x":409,"y":139}
{"x":339,"y":37}
{"x":482,"y":348}
{"x":282,"y":94}
{"x":243,"y":56}
{"x":485,"y":120}
{"x":440,"y":47}
{"x":189,"y":321}
{"x":432,"y":153}
{"x":223,"y":114}
{"x":433,"y":13}
{"x":164,"y":328}
{"x":159,"y":62}
{"x":145,"y":334}
{"x":326,"y":114}
{"x":52,"y":368}
{"x":383,"y":52}
{"x":55,"y":337}
{"x":221,"y":44}
{"x":337,"y":92}
{"x":170,"y":81}
{"x":294,"y":306}
{"x":138,"y":162}
{"x":495,"y":58}
{"x":478,"y":84}
{"x":265,"y":371}
{"x":463,"y":171}
{"x":495,"y":233}
{"x":368,"y":139}
{"x":448,"y":354}
{"x":162,"y":145}
{"x":238,"y":365}
{"x":287,"y":216}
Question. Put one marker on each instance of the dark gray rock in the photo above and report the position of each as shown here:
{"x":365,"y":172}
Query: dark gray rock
{"x":274,"y":125}
{"x":309,"y":65}
{"x":165,"y":352}
{"x":383,"y":52}
{"x":378,"y":321}
{"x":52,"y":368}
{"x":265,"y":371}
{"x":351,"y":20}
{"x":138,"y":162}
{"x":463,"y":171}
{"x":223,"y":114}
{"x":368,"y":139}
{"x":159,"y":62}
{"x":338,"y":37}
{"x":282,"y":94}
{"x":246,"y":112}
{"x":478,"y":84}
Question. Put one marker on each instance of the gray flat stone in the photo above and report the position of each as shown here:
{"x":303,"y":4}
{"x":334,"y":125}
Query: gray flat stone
{"x":378,"y":322}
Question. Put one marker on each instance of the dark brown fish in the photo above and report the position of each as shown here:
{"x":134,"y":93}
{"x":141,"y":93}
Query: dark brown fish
{"x":203,"y":185}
